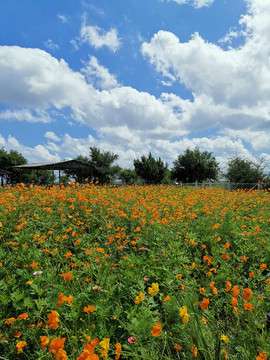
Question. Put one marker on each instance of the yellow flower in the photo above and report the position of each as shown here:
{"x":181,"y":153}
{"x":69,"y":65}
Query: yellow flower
{"x":153,"y":290}
{"x":104,"y":348}
{"x":139,"y":298}
{"x":183,"y":313}
{"x":225,"y":339}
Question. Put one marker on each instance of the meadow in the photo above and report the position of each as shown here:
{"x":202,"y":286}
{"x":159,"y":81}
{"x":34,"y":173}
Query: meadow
{"x":139,"y":272}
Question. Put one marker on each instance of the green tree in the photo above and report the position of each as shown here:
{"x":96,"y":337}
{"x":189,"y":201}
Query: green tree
{"x":10,"y":159}
{"x":128,"y":176}
{"x":101,"y":168}
{"x":101,"y":164}
{"x":194,"y":166}
{"x":152,"y":171}
{"x":14,"y":158}
{"x":80,"y":175}
{"x":244,"y":173}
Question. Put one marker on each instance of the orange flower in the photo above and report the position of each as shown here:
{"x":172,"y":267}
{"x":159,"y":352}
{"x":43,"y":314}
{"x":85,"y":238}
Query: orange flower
{"x":23,"y":316}
{"x":157,"y":328}
{"x":10,"y":321}
{"x":177,"y":347}
{"x":68,"y":255}
{"x":247,"y":294}
{"x":251,"y":274}
{"x":44,"y":341}
{"x":263,"y":267}
{"x":34,"y":265}
{"x":89,"y":309}
{"x":194,"y":351}
{"x":62,"y":298}
{"x":227,"y":245}
{"x":224,"y":354}
{"x":88,"y":353}
{"x":205,"y":303}
{"x":235,"y":291}
{"x":67,"y":276}
{"x":20,"y":345}
{"x":234,"y":302}
{"x":53,"y":320}
{"x":118,"y":350}
{"x":248,"y":306}
{"x":225,"y":256}
{"x":202,"y":291}
{"x":261,"y":356}
{"x":228,"y":286}
{"x":57,"y":348}
{"x":167,"y":298}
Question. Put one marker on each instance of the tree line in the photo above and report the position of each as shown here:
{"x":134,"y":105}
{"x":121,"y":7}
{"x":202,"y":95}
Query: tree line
{"x":190,"y":167}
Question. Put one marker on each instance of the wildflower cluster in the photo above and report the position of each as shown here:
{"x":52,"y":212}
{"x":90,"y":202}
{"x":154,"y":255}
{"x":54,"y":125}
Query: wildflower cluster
{"x":91,"y":272}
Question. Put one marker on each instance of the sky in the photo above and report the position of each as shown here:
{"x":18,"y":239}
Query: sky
{"x":135,"y":76}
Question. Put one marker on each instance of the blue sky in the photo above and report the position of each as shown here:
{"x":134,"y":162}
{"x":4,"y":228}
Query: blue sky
{"x":135,"y":76}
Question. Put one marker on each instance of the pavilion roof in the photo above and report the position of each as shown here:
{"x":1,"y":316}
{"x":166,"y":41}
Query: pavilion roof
{"x":61,"y":165}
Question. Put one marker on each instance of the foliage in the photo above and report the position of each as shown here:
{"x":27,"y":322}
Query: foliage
{"x":195,"y":165}
{"x":128,"y":176}
{"x":157,"y":272}
{"x":80,"y":175}
{"x":101,"y":164}
{"x":152,"y":171}
{"x":14,"y":158}
{"x":245,"y":172}
{"x":100,"y":170}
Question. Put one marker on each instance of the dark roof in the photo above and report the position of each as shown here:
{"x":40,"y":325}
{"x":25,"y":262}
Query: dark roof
{"x":4,"y":172}
{"x":62,"y":165}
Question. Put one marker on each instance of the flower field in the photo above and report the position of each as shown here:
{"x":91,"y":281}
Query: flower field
{"x":157,"y":272}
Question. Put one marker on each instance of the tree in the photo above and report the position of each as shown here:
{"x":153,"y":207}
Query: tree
{"x":194,"y":166}
{"x":152,"y":171}
{"x":128,"y":176}
{"x":10,"y":159}
{"x":101,"y":164}
{"x":101,"y":167}
{"x":80,"y":175}
{"x":14,"y":158}
{"x":244,"y":173}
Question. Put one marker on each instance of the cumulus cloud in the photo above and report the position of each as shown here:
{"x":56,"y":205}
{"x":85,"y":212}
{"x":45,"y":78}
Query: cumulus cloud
{"x":28,"y":115}
{"x":97,"y":37}
{"x":230,"y":87}
{"x":38,"y":153}
{"x":98,"y":74}
{"x":230,"y":91}
{"x":51,"y":135}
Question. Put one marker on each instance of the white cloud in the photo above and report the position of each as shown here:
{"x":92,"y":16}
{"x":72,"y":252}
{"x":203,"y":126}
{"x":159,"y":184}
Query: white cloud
{"x":25,"y":115}
{"x":63,"y":18}
{"x":51,"y":45}
{"x":98,"y":74}
{"x":97,"y":37}
{"x":230,"y":87}
{"x":195,"y":3}
{"x":38,"y":153}
{"x":51,"y":135}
